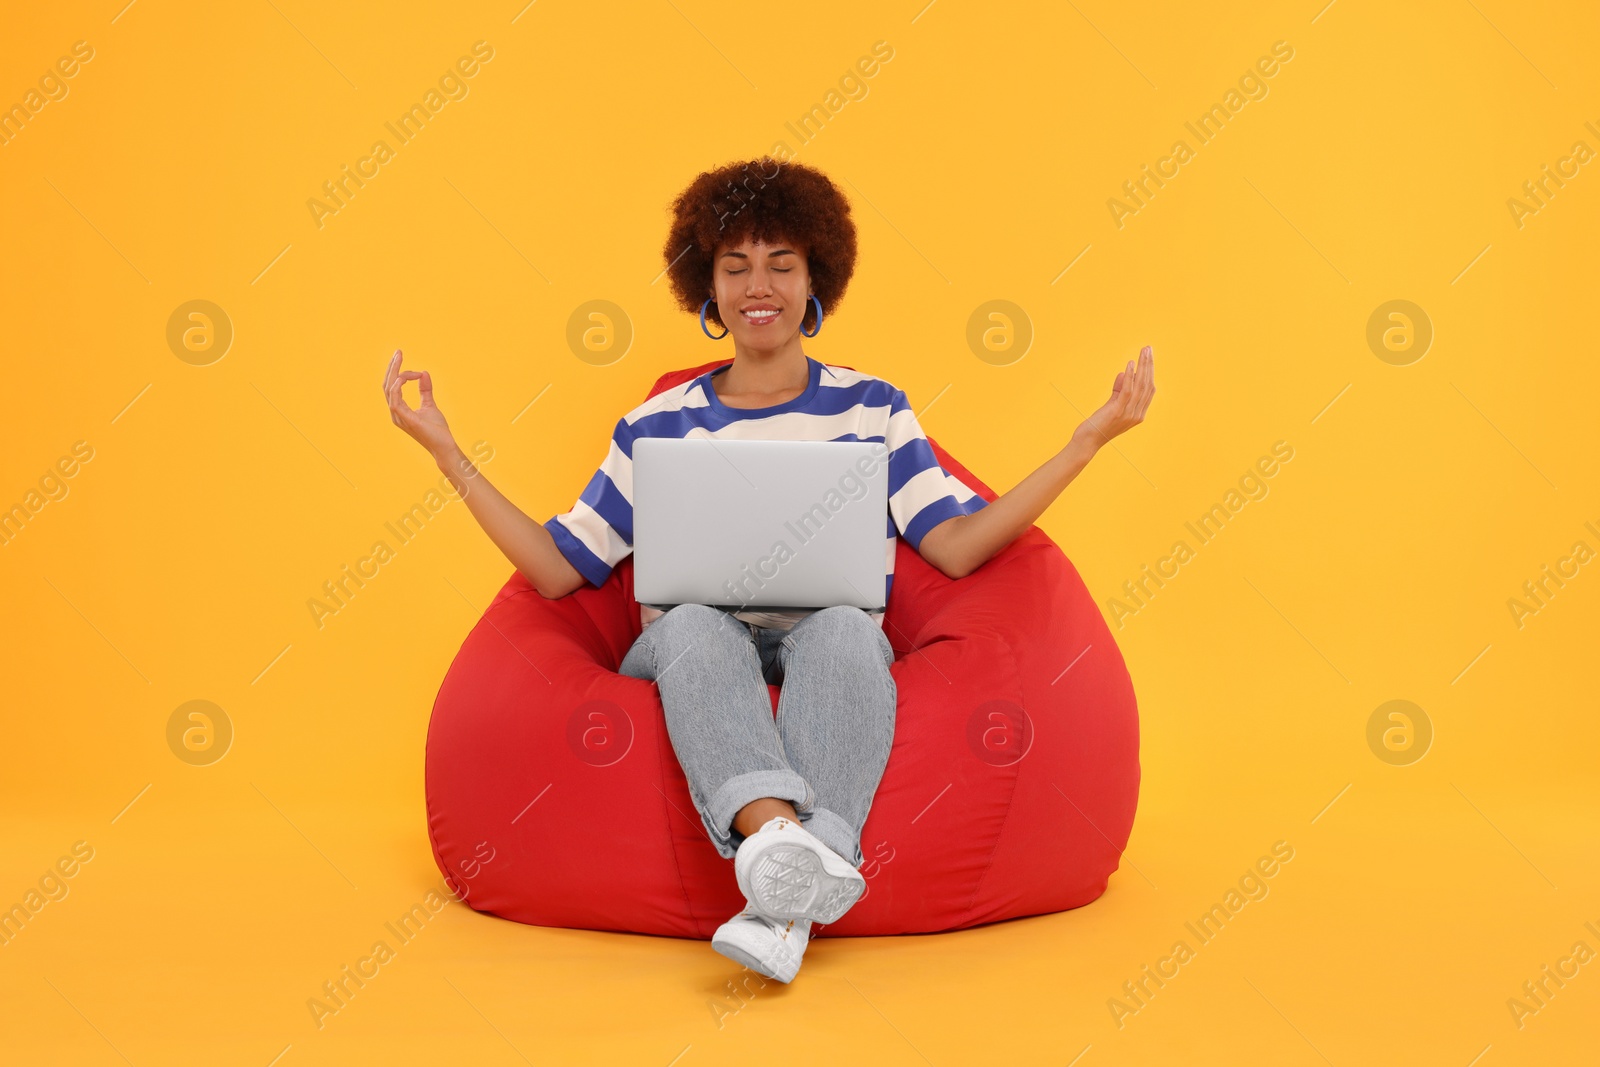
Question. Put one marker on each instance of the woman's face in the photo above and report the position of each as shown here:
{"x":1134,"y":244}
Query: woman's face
{"x":762,"y":291}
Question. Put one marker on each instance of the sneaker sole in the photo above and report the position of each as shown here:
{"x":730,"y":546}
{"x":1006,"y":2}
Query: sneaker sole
{"x":792,"y":882}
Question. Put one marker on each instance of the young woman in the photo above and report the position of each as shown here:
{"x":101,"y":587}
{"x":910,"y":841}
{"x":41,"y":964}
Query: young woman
{"x":762,"y":250}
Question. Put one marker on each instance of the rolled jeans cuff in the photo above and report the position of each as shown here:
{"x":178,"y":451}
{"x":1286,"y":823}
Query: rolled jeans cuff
{"x":740,"y":790}
{"x":833,"y":831}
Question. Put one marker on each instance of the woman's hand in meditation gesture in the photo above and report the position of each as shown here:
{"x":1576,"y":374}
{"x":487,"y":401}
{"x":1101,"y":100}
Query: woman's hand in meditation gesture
{"x":963,"y":543}
{"x":526,"y":543}
{"x":1130,"y":398}
{"x":426,"y":423}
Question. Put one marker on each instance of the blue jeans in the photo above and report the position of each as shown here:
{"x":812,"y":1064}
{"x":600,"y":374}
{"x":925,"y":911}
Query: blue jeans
{"x":828,"y":747}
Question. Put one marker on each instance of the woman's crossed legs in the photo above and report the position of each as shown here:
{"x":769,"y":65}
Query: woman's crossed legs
{"x":819,"y":763}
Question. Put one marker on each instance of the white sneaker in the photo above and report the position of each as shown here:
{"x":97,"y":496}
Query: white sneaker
{"x":772,"y":948}
{"x":786,"y":872}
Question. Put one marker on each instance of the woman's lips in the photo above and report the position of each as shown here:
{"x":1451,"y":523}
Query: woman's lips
{"x":760,"y":318}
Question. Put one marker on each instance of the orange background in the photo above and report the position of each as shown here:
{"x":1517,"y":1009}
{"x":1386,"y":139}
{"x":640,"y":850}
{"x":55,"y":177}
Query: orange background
{"x":980,"y":160}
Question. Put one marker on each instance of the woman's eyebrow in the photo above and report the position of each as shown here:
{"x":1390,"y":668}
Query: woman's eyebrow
{"x":770,"y":255}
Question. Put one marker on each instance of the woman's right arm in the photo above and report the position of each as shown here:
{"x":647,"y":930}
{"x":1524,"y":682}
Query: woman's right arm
{"x":526,"y":543}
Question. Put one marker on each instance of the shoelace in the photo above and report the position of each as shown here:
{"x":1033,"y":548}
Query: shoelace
{"x":782,"y":927}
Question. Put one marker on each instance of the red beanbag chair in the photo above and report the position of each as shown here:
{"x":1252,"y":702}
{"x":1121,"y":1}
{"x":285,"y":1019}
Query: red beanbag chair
{"x":554,"y":796}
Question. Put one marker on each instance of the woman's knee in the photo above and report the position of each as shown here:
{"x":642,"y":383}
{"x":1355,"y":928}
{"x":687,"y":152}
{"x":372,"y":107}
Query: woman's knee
{"x":846,"y":627}
{"x":694,"y":618}
{"x":683,"y":624}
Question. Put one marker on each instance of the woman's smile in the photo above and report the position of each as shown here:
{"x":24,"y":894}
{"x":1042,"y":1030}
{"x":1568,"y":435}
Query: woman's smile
{"x":761,"y":314}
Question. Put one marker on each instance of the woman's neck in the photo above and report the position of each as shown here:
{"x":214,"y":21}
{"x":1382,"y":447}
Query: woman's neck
{"x":761,"y":378}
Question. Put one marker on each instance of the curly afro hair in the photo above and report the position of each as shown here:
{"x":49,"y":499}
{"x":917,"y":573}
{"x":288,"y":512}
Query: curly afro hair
{"x":769,"y":201}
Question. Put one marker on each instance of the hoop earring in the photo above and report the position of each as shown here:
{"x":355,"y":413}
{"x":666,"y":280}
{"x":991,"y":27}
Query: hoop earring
{"x":818,"y":328}
{"x":708,"y":333}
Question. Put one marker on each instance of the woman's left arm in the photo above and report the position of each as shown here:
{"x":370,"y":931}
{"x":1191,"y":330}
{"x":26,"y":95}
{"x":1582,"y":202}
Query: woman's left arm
{"x":960,"y":545}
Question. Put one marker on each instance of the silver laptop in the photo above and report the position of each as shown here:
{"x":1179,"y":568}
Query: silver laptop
{"x":769,"y":524}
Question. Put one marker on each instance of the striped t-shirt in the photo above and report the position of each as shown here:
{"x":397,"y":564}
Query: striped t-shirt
{"x":837,"y":405}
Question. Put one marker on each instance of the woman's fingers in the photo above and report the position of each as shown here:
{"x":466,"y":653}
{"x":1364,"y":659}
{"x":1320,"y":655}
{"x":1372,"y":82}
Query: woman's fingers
{"x":413,"y":376}
{"x":1135,"y":384}
{"x":389,"y":371}
{"x":392,"y":380}
{"x":398,"y":407}
{"x":404,"y":414}
{"x":1147,"y":379}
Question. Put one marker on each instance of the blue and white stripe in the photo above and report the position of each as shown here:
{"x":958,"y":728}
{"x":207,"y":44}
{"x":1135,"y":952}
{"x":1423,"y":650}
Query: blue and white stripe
{"x":837,"y":405}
